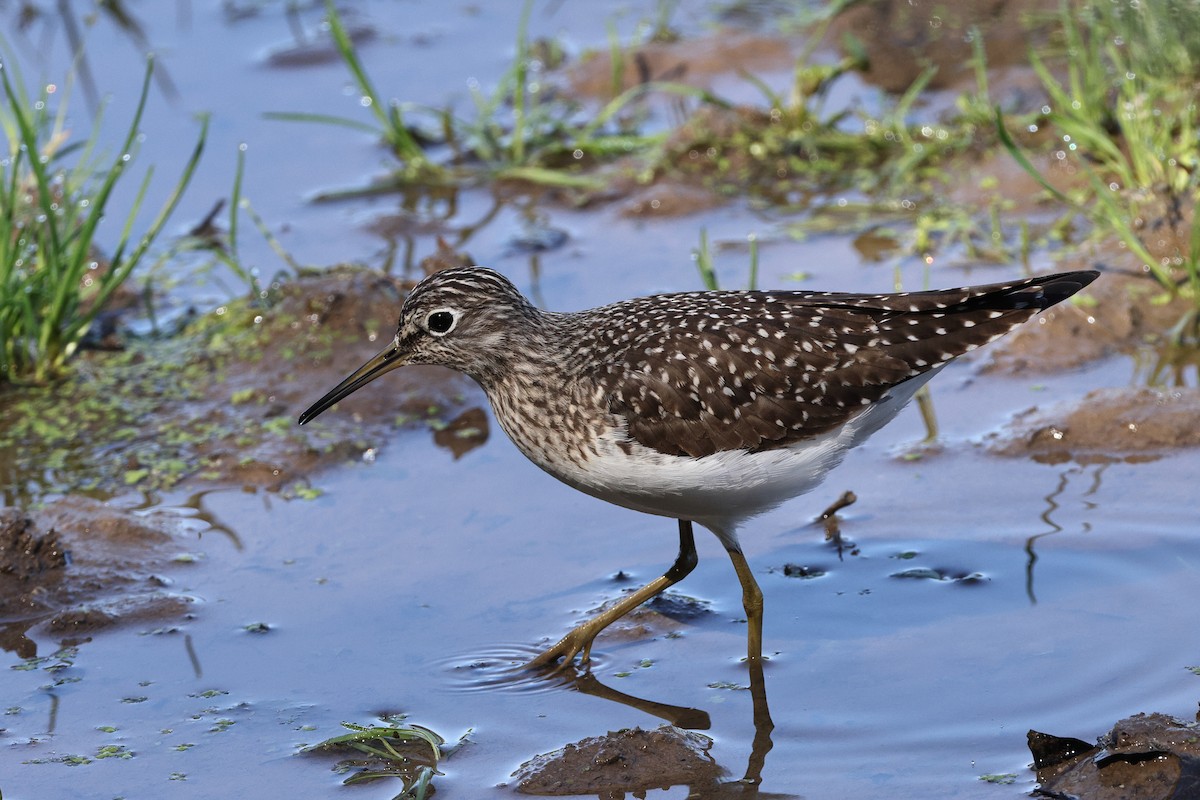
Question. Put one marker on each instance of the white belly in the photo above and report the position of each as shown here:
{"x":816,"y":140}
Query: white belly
{"x":722,"y":490}
{"x":718,"y":491}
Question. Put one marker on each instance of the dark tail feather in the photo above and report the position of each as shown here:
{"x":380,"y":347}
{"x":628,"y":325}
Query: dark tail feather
{"x":1041,"y":292}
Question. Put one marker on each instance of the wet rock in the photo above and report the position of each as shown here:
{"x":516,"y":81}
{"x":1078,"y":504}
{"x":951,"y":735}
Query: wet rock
{"x":803,"y":571}
{"x":1107,"y":425}
{"x":659,"y":615}
{"x":678,"y":607}
{"x":630,"y":760}
{"x":942,"y":575}
{"x":1144,"y":757}
{"x":1049,"y":750}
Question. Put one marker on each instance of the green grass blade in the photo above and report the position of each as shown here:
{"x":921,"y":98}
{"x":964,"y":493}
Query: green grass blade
{"x":753,"y":282}
{"x":324,"y":119}
{"x":549,"y":177}
{"x":394,"y":131}
{"x":235,"y":199}
{"x":520,"y":84}
{"x":704,"y":262}
{"x":1022,"y":161}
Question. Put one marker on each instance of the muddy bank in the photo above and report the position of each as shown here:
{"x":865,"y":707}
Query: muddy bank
{"x":78,"y":565}
{"x":901,"y":40}
{"x":1107,"y":425}
{"x":1118,"y":314}
{"x":216,"y":405}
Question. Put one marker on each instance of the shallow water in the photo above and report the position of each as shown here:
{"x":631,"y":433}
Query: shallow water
{"x":383,"y":594}
{"x":415,"y":577}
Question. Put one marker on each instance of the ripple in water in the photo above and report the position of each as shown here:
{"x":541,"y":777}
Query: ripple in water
{"x":503,"y":669}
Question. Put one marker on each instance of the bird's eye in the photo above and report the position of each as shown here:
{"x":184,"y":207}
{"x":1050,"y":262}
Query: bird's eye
{"x":440,"y":322}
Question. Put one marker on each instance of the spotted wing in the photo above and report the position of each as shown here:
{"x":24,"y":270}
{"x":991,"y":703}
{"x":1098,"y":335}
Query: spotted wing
{"x":708,"y":372}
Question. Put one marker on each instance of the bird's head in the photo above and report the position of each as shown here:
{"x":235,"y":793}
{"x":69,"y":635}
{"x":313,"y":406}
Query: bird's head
{"x":460,"y":318}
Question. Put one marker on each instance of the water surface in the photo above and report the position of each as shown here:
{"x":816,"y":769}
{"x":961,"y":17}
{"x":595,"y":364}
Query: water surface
{"x":380,"y":595}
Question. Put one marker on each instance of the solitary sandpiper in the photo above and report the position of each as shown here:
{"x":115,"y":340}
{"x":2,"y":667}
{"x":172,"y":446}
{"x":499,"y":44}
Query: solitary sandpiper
{"x":707,"y":407}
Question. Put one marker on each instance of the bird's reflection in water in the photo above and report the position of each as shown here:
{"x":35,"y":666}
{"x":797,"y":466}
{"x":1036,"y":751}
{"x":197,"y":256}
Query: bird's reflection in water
{"x":636,"y":768}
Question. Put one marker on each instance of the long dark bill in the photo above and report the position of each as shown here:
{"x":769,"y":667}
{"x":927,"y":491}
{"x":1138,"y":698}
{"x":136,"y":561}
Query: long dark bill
{"x":386,"y":361}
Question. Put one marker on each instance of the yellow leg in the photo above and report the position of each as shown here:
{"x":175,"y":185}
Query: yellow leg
{"x":752,"y":601}
{"x":579,"y":640}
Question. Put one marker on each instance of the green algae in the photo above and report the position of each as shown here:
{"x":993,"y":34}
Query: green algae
{"x":141,"y":418}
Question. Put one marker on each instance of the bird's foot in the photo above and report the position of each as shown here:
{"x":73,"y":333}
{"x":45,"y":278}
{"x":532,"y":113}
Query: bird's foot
{"x":563,"y":654}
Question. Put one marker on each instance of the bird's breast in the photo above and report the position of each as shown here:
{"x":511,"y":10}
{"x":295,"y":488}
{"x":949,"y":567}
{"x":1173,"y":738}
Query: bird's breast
{"x":575,"y":438}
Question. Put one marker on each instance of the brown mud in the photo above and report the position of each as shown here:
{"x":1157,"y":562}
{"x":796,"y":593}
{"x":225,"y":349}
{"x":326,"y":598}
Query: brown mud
{"x":1144,"y":757}
{"x":631,"y":760}
{"x":77,"y":566}
{"x":696,"y":62}
{"x":902,"y":39}
{"x":217,"y":404}
{"x":1129,"y":424}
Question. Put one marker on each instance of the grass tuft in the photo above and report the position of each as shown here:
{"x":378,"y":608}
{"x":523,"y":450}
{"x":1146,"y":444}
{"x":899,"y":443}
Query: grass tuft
{"x":54,"y":281}
{"x":408,"y":752}
{"x":1123,"y":112}
{"x":520,"y":130}
{"x":705,"y":265}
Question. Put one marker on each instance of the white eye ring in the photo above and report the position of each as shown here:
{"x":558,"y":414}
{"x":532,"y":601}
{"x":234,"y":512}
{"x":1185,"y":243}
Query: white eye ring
{"x":436,"y":319}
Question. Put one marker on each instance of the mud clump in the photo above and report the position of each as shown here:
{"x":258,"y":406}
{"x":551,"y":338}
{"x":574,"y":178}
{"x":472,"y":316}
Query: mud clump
{"x":697,"y":62}
{"x":79,"y":565}
{"x":661,"y":615}
{"x":905,"y":37}
{"x":24,"y":553}
{"x":670,"y":200}
{"x":1107,"y":425}
{"x":1144,"y":757}
{"x":630,"y":760}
